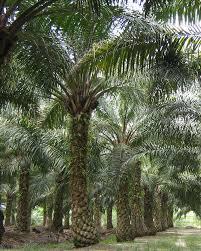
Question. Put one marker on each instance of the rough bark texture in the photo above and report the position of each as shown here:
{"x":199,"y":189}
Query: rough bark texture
{"x":2,"y":229}
{"x":124,"y":230}
{"x":44,"y":212}
{"x":109,"y":217}
{"x":13,"y":217}
{"x":7,"y":41}
{"x":67,"y":219}
{"x":8,"y":213}
{"x":170,"y":216}
{"x":148,"y":211}
{"x":137,"y":216}
{"x":58,"y":203}
{"x":23,"y":212}
{"x":157,"y":210}
{"x":97,"y":212}
{"x":48,"y":223}
{"x":164,"y":210}
{"x":85,"y":233}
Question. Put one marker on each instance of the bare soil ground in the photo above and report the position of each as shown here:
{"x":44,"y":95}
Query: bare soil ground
{"x":38,"y":235}
{"x":14,"y":239}
{"x":177,"y":236}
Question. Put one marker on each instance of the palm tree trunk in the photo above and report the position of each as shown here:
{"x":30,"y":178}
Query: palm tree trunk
{"x":29,"y":215}
{"x":137,"y":217}
{"x":13,"y":219}
{"x":157,"y":210}
{"x":2,"y":229}
{"x":170,"y":216}
{"x":6,"y":43}
{"x":48,"y":223}
{"x":13,"y":216}
{"x":124,"y":230}
{"x":148,"y":211}
{"x":97,"y":212}
{"x":44,"y":212}
{"x":109,"y":216}
{"x":58,"y":203}
{"x":164,"y":210}
{"x":23,"y":221}
{"x":85,"y":233}
{"x":67,"y":219}
{"x":9,"y":199}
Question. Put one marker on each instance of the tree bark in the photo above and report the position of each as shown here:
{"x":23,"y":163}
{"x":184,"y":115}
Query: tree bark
{"x":164,"y":210}
{"x":170,"y":216}
{"x":2,"y":229}
{"x":97,"y":212}
{"x":23,"y":211}
{"x":109,"y":216}
{"x":8,"y":213}
{"x":137,"y":217}
{"x":13,"y":217}
{"x":85,"y":233}
{"x":58,"y":203}
{"x":157,"y":210}
{"x":148,"y":211}
{"x":124,"y":230}
{"x":67,"y":218}
{"x":48,"y":223}
{"x":44,"y":212}
{"x":7,"y":42}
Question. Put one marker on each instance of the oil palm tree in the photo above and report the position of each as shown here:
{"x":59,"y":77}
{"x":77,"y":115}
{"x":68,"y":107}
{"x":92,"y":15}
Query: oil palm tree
{"x":76,"y":92}
{"x":76,"y":81}
{"x":33,"y":148}
{"x":119,"y":125}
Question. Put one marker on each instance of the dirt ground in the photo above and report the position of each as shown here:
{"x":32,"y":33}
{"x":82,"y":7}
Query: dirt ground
{"x":38,"y":235}
{"x":13,"y":239}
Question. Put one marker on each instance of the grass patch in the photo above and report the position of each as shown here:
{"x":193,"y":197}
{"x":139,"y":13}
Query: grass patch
{"x":111,"y":239}
{"x":43,"y":247}
{"x":157,"y":243}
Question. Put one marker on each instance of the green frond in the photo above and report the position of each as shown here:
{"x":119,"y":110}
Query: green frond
{"x":174,"y":10}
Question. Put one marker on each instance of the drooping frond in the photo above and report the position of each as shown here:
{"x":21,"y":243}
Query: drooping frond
{"x":174,"y":10}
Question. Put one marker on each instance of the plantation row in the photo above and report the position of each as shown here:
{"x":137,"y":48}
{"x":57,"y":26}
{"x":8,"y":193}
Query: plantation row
{"x":100,"y":109}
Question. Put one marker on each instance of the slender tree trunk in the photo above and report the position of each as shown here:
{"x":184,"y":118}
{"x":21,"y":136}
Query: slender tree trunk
{"x":29,"y":215}
{"x":2,"y":229}
{"x":9,"y":199}
{"x":170,"y":216}
{"x":7,"y":41}
{"x":137,"y":216}
{"x":44,"y":212}
{"x":164,"y":210}
{"x":124,"y":230}
{"x":109,"y":216}
{"x":67,"y":219}
{"x":13,"y":217}
{"x":23,"y":221}
{"x":67,"y":206}
{"x":85,"y":233}
{"x":97,"y":212}
{"x":48,"y":223}
{"x":148,"y":211}
{"x":157,"y":210}
{"x":58,"y":203}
